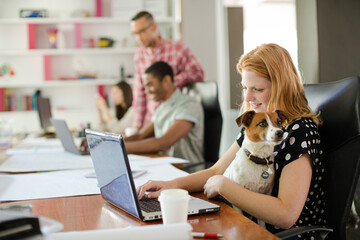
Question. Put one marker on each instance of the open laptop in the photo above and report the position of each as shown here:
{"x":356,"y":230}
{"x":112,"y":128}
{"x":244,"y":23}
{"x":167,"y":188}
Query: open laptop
{"x":65,"y":136}
{"x":116,"y":181}
{"x":44,"y":111}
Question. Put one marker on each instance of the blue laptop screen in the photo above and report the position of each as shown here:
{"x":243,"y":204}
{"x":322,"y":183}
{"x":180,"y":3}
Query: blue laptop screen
{"x":112,"y":170}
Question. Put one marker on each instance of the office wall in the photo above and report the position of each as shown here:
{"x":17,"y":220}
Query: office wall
{"x":236,"y":49}
{"x":307,"y":34}
{"x":339,"y":39}
{"x":199,"y":33}
{"x":204,"y":31}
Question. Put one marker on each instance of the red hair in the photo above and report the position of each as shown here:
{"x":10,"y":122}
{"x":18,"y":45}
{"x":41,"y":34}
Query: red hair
{"x":273,"y":62}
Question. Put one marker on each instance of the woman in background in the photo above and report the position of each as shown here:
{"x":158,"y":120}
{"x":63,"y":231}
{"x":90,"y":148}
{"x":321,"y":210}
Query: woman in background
{"x":121,"y":97}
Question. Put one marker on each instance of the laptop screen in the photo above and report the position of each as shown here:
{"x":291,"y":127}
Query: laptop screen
{"x":44,"y":111}
{"x":112,"y":170}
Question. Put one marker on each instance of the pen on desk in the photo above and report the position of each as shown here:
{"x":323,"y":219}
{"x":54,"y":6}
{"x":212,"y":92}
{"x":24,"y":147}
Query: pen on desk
{"x":206,"y":235}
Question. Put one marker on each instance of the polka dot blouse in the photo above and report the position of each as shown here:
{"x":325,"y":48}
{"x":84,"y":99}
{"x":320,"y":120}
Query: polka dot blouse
{"x":302,"y":137}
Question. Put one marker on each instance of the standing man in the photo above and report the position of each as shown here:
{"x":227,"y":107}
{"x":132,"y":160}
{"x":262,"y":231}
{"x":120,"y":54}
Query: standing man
{"x":177,"y":126}
{"x":154,"y":48}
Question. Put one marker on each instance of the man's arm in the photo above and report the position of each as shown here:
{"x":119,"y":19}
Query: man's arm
{"x":145,"y":132}
{"x":149,"y":145}
{"x":191,"y":69}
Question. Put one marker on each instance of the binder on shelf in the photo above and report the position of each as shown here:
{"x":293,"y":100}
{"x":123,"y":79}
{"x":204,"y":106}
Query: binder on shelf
{"x":99,"y":8}
{"x":2,"y":100}
{"x":32,"y":35}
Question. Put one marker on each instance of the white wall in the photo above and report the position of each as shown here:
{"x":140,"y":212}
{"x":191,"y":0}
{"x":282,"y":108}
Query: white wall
{"x":203,"y":27}
{"x":199,"y":33}
{"x":307,"y":40}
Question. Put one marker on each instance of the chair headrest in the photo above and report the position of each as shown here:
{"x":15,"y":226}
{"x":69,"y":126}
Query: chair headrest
{"x":338,"y":103}
{"x":207,"y":93}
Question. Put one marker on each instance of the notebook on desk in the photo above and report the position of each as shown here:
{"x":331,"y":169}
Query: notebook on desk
{"x":116,"y":181}
{"x":66,"y":138}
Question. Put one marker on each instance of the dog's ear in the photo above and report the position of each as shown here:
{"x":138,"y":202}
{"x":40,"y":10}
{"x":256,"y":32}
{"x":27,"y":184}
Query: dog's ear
{"x":283,"y":117}
{"x":245,"y":119}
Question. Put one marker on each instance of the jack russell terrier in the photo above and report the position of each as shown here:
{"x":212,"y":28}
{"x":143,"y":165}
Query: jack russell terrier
{"x":253,"y":166}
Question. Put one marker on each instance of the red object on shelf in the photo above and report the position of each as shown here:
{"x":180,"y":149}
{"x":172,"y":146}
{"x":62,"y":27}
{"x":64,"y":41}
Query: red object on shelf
{"x":101,"y":91}
{"x":78,"y":37}
{"x":92,"y":42}
{"x":99,"y":8}
{"x":32,"y":35}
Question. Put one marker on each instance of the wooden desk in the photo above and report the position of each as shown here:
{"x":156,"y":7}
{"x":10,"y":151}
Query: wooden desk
{"x":93,"y":212}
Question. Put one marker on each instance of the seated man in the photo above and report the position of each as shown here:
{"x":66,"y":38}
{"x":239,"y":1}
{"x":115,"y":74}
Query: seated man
{"x":178,"y":123}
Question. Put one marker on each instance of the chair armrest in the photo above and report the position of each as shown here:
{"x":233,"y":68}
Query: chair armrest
{"x":193,"y":167}
{"x":321,"y":232}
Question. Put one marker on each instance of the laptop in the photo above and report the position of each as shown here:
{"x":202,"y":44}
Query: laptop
{"x":44,"y":111}
{"x":66,"y":138}
{"x":116,"y":181}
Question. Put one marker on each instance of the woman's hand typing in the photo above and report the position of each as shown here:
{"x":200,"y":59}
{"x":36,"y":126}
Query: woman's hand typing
{"x":154,"y":187}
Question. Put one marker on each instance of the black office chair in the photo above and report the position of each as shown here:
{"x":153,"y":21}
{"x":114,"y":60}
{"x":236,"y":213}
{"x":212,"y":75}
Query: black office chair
{"x":338,"y":103}
{"x":207,"y":94}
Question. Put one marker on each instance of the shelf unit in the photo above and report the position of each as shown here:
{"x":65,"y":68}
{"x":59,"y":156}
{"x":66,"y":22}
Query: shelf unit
{"x":24,"y":45}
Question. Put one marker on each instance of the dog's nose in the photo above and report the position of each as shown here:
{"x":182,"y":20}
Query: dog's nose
{"x":279,"y":134}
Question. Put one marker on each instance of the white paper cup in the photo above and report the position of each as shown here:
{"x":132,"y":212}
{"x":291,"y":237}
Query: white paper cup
{"x":174,"y":205}
{"x":129,"y":131}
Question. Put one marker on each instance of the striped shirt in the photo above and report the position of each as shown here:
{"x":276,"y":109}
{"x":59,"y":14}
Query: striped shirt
{"x":183,"y":62}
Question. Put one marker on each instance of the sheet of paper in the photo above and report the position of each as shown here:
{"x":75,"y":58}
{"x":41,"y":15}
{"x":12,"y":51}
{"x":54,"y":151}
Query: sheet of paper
{"x":134,"y":157}
{"x":27,"y":150}
{"x":178,"y":231}
{"x":44,"y":161}
{"x":39,"y":142}
{"x":161,"y":172}
{"x":144,"y":163}
{"x":34,"y":145}
{"x":15,"y":187}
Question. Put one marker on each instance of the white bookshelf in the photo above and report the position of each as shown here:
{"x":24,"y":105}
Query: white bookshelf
{"x":24,"y":46}
{"x":83,"y":20}
{"x":72,"y":51}
{"x":61,"y":83}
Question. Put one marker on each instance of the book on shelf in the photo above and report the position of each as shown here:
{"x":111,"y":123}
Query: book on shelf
{"x":13,"y":102}
{"x":2,"y":104}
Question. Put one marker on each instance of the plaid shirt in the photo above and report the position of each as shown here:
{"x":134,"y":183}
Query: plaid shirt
{"x":184,"y":64}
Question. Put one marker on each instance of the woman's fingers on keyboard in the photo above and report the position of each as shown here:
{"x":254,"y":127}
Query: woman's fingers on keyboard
{"x":153,"y":187}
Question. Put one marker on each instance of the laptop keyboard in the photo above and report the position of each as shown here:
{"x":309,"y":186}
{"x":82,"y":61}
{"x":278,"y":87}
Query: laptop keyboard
{"x":150,"y":205}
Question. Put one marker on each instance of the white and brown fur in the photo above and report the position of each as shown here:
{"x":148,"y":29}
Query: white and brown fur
{"x":263,"y":131}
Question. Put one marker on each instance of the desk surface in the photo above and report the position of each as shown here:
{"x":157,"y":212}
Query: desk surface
{"x":93,"y":212}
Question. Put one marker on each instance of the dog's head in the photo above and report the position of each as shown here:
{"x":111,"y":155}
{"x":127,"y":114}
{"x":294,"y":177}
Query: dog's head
{"x":263,"y":126}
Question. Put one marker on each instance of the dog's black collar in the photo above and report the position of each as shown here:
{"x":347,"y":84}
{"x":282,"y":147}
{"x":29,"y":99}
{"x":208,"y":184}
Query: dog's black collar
{"x":257,"y":160}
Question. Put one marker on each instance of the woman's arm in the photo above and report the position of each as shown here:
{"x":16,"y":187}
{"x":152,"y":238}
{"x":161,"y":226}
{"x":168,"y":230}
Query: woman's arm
{"x":104,"y":112}
{"x":101,"y":119}
{"x":193,"y":182}
{"x":282,"y":211}
{"x":177,"y":131}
